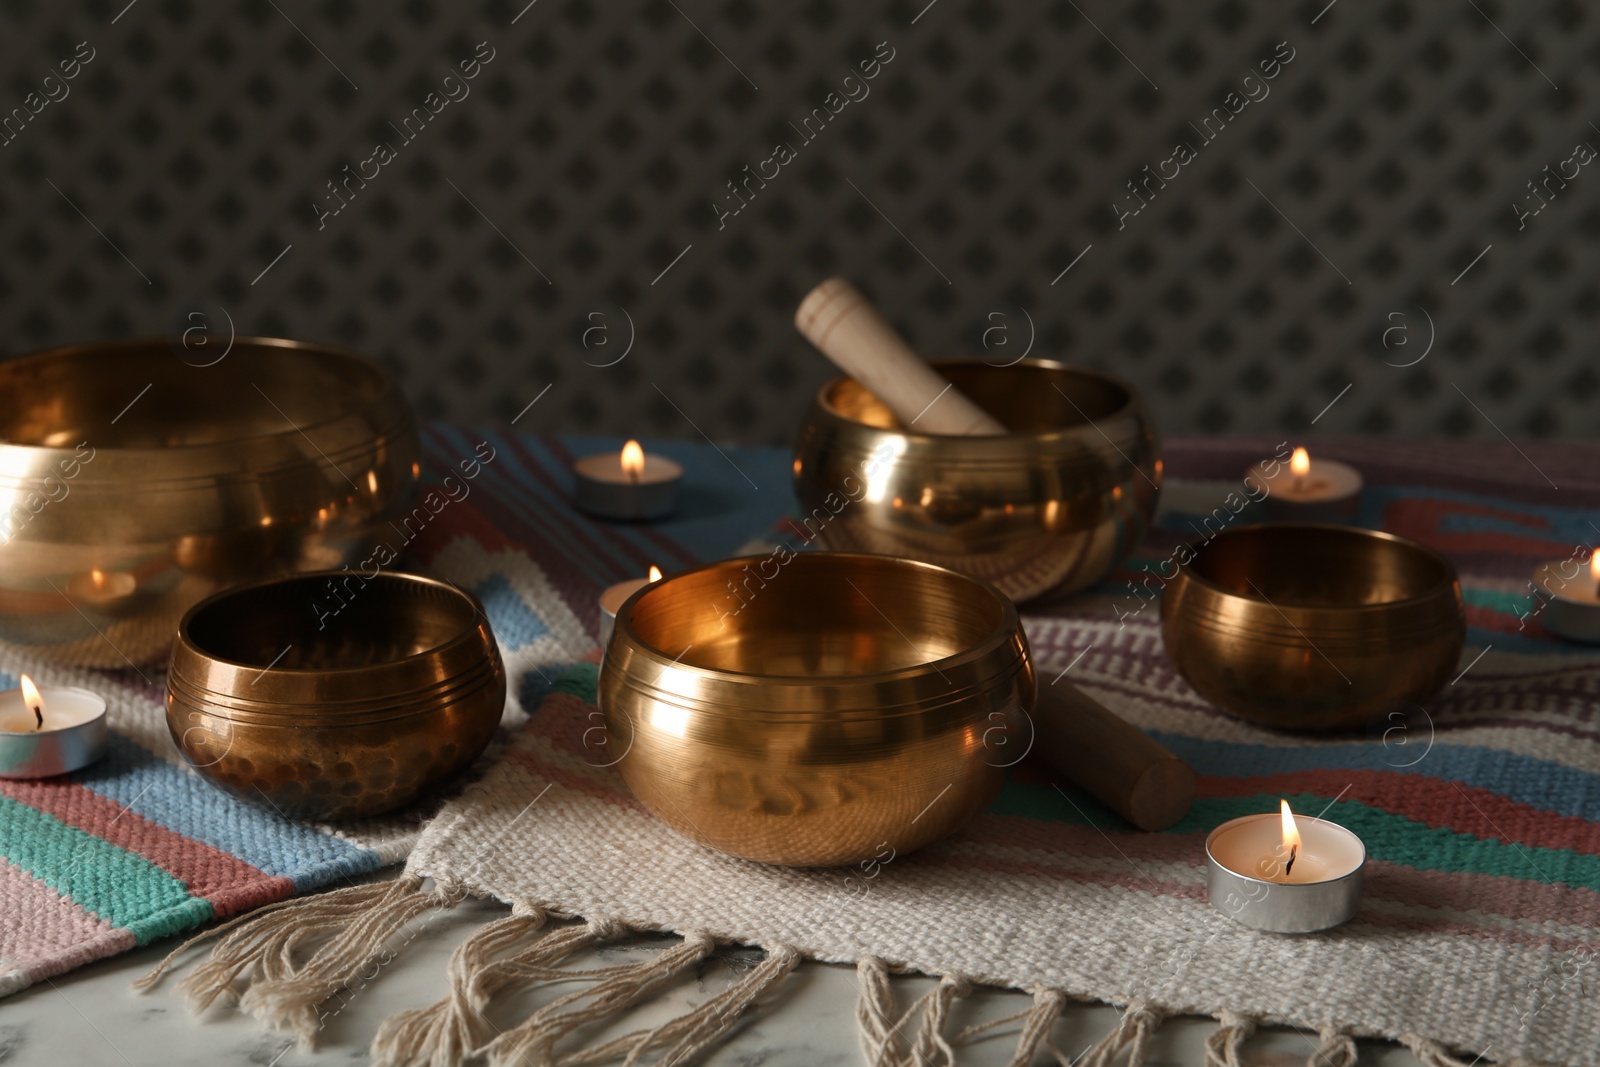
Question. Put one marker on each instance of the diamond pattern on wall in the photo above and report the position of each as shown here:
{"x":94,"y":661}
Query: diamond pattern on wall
{"x":1008,"y":176}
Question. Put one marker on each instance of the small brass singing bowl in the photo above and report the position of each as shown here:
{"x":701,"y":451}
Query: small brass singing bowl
{"x":333,"y":696}
{"x":830,"y":709}
{"x":1311,"y":627}
{"x":137,"y":477}
{"x":1047,"y":510}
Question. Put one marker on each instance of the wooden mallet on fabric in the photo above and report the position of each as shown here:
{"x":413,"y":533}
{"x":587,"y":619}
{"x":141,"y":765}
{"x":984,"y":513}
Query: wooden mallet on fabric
{"x":1110,"y":758}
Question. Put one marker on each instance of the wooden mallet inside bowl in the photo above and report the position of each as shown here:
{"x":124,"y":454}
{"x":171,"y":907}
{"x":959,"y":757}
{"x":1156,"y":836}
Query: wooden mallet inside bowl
{"x":1113,"y":760}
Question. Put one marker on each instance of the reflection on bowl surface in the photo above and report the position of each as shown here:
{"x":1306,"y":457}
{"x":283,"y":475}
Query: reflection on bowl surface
{"x":816,"y":709}
{"x":1313,"y":627}
{"x":121,"y":459}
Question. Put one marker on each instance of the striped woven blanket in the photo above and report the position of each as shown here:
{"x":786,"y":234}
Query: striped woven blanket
{"x":1481,"y":813}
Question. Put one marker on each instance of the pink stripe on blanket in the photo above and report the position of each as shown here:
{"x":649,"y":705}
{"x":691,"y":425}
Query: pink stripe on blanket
{"x":41,"y":924}
{"x":228,"y":882}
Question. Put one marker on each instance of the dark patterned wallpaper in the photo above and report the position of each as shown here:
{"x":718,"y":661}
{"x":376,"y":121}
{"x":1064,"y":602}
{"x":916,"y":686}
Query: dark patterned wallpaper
{"x":1252,"y":210}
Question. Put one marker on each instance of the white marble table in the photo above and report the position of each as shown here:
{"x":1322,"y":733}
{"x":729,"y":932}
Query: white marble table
{"x":92,"y":1016}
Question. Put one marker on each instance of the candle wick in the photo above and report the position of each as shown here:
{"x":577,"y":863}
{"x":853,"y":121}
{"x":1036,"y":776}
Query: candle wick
{"x":1287,"y":867}
{"x":38,"y":716}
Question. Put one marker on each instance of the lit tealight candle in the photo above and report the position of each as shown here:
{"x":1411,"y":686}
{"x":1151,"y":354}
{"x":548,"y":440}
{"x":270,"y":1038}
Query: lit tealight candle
{"x":630,"y":484}
{"x":1570,"y":602}
{"x":49,"y":731}
{"x":100,"y":588}
{"x":1285,"y":874}
{"x":1308,"y":490}
{"x":612,"y":599}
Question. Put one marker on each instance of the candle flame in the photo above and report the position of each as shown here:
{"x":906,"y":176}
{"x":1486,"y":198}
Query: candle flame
{"x":632,"y":460}
{"x":98,"y":578}
{"x":34,"y":701}
{"x":1291,"y":832}
{"x":655,"y":573}
{"x":1594,"y":566}
{"x":1299,"y":463}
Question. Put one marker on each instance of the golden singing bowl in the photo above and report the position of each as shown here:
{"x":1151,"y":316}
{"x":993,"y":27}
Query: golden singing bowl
{"x":830,"y":709}
{"x":134,"y":482}
{"x":1311,"y":627}
{"x":1049,"y":509}
{"x":332,"y":696}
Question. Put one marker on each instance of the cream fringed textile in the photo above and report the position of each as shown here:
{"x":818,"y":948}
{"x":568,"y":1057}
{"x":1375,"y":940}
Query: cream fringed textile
{"x":560,"y":838}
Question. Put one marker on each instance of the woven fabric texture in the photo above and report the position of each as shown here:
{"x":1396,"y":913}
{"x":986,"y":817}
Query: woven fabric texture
{"x":1481,"y":812}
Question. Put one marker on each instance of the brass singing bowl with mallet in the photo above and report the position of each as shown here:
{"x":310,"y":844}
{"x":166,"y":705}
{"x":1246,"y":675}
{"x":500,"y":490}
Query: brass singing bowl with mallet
{"x":137,"y":477}
{"x":838,"y":706}
{"x":1048,"y":509}
{"x":1313,"y":627}
{"x":330,"y":697}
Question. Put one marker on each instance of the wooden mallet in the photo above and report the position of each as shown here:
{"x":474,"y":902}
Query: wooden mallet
{"x":1113,"y":760}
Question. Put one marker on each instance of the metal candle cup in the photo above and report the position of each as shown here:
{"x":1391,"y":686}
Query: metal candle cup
{"x":630,"y":484}
{"x":73,"y":736}
{"x":105,"y":590}
{"x":1245,"y":878}
{"x":1321,"y":490}
{"x":1570,"y":605}
{"x":612,"y":599}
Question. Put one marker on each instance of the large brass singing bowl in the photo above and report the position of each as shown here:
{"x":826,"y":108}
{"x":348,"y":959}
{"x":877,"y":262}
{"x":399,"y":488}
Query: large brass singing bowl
{"x":830,"y":709}
{"x":134,"y":482}
{"x":1309,"y":627}
{"x":332,"y":697}
{"x":1049,"y":509}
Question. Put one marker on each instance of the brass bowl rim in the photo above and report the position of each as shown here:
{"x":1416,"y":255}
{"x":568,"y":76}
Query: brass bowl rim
{"x":1131,"y":404}
{"x":386,"y":383}
{"x":450,"y":588}
{"x":1001,"y":634}
{"x":1452,"y":577}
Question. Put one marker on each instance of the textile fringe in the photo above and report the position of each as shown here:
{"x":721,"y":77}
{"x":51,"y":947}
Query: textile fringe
{"x":1037,"y":1024}
{"x":153,"y":978}
{"x":1132,"y":1036}
{"x":697,"y":1031}
{"x":455,"y":1028}
{"x":445,"y":1033}
{"x":282,"y":961}
{"x":875,"y":1016}
{"x":1225,"y":1044}
{"x":262,"y":946}
{"x":288,"y":999}
{"x":532,"y":1042}
{"x":882,"y":1043}
{"x":935,"y":1012}
{"x":1337,"y":1050}
{"x":1430,"y":1052}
